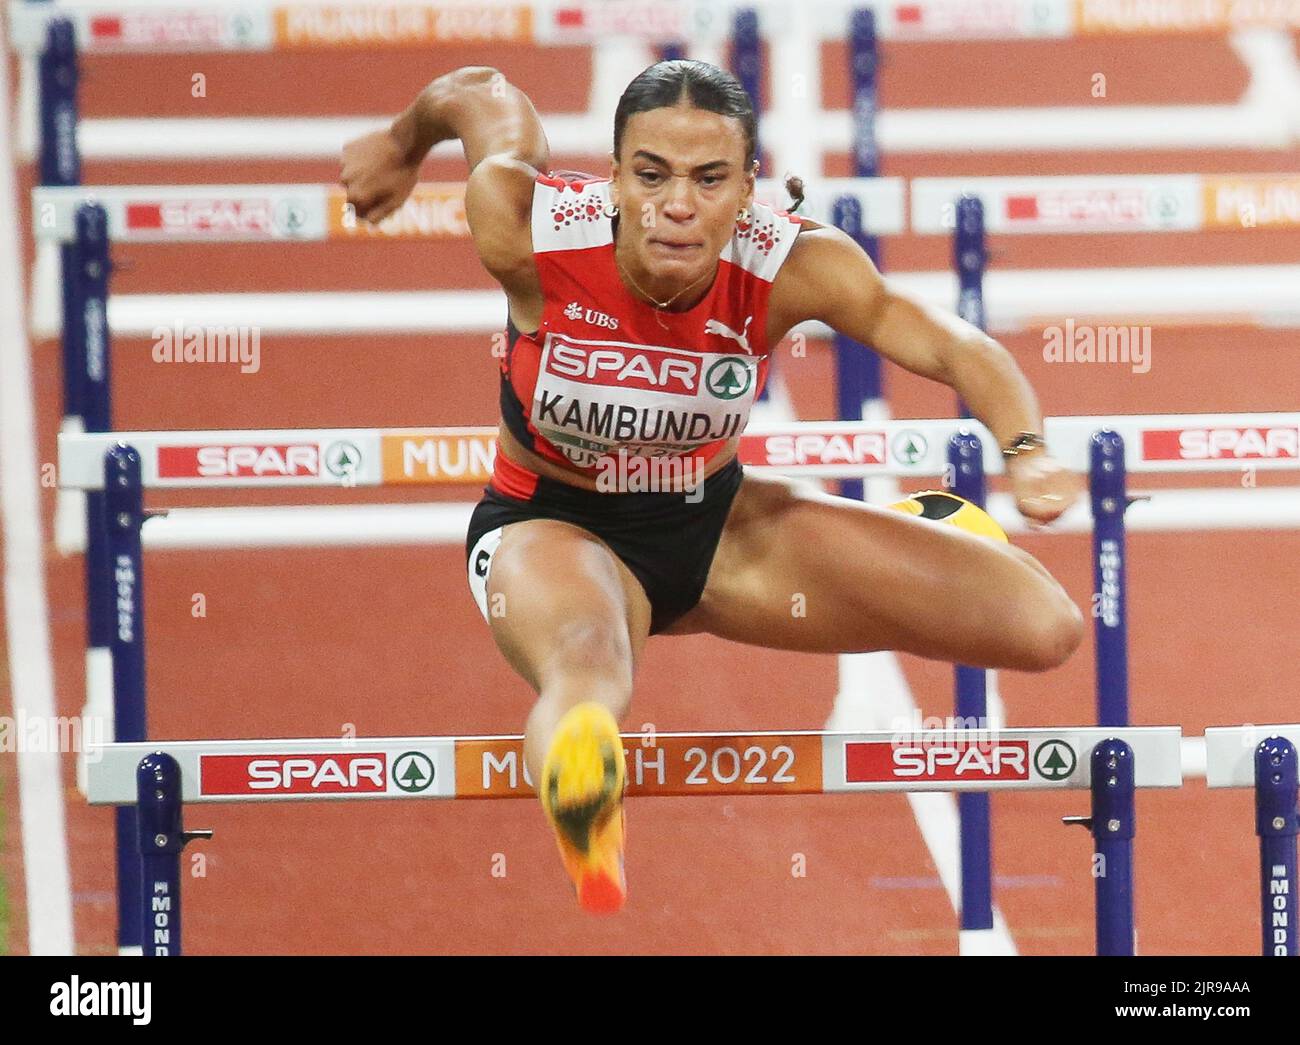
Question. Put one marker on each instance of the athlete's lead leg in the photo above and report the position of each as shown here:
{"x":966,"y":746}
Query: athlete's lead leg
{"x":570,"y":618}
{"x":800,"y":569}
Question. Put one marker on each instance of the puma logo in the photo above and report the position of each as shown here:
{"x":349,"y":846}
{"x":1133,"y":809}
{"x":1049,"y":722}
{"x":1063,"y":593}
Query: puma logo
{"x":713,"y":326}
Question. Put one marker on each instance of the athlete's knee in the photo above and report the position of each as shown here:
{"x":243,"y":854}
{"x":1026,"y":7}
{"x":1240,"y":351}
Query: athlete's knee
{"x":1050,"y":634}
{"x":589,"y":648}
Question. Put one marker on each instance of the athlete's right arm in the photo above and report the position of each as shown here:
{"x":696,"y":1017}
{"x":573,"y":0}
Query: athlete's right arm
{"x":505,"y":148}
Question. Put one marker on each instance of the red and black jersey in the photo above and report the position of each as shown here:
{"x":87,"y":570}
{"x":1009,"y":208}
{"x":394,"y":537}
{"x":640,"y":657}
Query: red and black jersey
{"x":607,"y":373}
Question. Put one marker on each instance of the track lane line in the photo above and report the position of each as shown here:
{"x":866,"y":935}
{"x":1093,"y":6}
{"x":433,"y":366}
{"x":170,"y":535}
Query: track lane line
{"x":40,"y":780}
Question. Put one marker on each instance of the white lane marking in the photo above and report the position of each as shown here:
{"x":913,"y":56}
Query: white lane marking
{"x":40,"y":781}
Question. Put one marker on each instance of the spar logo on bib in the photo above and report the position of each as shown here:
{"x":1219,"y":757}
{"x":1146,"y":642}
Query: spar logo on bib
{"x":624,"y":366}
{"x":729,"y":378}
{"x":600,"y":397}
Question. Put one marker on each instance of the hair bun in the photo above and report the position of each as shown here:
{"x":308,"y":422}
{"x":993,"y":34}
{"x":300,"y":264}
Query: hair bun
{"x":794,"y":187}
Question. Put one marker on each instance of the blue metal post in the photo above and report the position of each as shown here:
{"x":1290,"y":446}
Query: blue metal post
{"x":123,"y":514}
{"x":864,"y":61}
{"x":855,"y":364}
{"x":970,"y":256}
{"x":671,"y":52}
{"x":967,"y":463}
{"x":85,"y":334}
{"x":85,"y":338}
{"x":1110,"y":617}
{"x":1113,"y":828}
{"x":858,"y":368}
{"x":60,"y":164}
{"x":161,"y":839}
{"x":747,"y":63}
{"x":88,"y":297}
{"x":1277,"y":824}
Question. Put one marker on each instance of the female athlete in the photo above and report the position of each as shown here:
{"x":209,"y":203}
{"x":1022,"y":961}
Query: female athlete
{"x":642,"y":310}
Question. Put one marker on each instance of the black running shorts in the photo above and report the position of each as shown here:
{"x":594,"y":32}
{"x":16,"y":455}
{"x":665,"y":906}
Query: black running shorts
{"x":666,"y":540}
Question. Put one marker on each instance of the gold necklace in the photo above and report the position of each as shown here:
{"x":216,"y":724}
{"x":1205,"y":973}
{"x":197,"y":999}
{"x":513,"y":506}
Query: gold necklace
{"x":657,"y":304}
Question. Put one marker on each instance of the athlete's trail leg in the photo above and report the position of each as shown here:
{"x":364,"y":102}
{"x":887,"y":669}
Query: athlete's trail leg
{"x":570,"y":618}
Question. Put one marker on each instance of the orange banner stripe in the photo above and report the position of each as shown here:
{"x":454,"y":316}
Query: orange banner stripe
{"x":380,"y":24}
{"x":662,"y":765}
{"x":434,"y":457}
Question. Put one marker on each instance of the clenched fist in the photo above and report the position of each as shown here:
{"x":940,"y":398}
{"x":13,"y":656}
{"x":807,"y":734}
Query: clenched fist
{"x":378,"y":174}
{"x":1043,"y":487}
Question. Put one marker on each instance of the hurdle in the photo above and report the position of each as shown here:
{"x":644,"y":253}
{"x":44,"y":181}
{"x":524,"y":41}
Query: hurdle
{"x":1264,"y":758}
{"x":161,"y":778}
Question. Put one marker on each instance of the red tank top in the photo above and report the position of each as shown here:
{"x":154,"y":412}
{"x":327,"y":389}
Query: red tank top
{"x":605,"y":373}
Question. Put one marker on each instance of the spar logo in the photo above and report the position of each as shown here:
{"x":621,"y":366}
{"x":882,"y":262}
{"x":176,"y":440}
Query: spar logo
{"x":630,"y":366}
{"x":813,"y":448}
{"x":999,"y":19}
{"x":729,"y":378}
{"x":910,"y":446}
{"x":941,"y":760}
{"x":164,"y":29}
{"x":1055,"y":760}
{"x":1090,"y":208}
{"x":242,"y":461}
{"x":252,"y":217}
{"x":645,"y":20}
{"x":296,"y":774}
{"x":413,"y":772}
{"x":342,"y":460}
{"x":1212,"y":444}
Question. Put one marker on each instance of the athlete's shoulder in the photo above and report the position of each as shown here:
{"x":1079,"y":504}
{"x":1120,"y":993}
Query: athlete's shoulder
{"x":819,"y":250}
{"x":826,"y":268}
{"x":761,"y":244}
{"x":570,"y":211}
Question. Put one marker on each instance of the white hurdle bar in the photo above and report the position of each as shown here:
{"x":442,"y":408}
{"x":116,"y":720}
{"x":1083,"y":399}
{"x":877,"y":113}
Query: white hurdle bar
{"x":826,"y":449}
{"x":664,"y":764}
{"x":161,"y":777}
{"x":847,"y":449}
{"x":1195,"y":295}
{"x":1015,"y":299}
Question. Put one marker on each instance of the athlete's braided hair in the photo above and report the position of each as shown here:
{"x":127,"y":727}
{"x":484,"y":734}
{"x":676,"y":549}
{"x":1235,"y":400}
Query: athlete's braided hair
{"x":707,"y":87}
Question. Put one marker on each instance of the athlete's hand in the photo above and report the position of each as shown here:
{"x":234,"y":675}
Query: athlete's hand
{"x":1042,"y":486}
{"x":378,"y":174}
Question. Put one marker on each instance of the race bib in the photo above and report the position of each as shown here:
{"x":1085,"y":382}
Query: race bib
{"x":600,"y":397}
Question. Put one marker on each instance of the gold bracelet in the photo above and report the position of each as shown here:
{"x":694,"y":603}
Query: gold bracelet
{"x":1023,"y":443}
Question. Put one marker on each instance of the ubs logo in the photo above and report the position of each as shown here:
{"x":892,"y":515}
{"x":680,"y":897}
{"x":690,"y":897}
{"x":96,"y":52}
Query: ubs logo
{"x":590,"y":315}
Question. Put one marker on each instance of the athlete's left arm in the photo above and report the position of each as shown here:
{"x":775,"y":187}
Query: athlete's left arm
{"x":832,"y":279}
